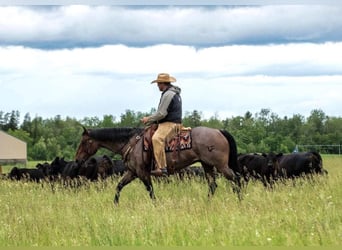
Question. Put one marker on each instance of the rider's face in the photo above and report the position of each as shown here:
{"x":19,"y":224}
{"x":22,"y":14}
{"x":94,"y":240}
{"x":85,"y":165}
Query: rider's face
{"x":161,"y":86}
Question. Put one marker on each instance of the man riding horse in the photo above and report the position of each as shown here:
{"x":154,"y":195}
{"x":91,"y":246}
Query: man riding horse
{"x":168,"y":117}
{"x":215,"y":149}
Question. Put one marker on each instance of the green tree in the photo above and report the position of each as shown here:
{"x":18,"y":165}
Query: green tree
{"x":213,"y":122}
{"x":314,"y":127}
{"x":37,"y":128}
{"x":91,"y":122}
{"x":192,"y":119}
{"x":129,"y":119}
{"x":333,"y":133}
{"x":10,"y":120}
{"x":263,"y":132}
{"x":294,"y":127}
{"x":21,"y":134}
{"x":27,"y":123}
{"x":2,"y":120}
{"x":39,"y":151}
{"x":108,"y":121}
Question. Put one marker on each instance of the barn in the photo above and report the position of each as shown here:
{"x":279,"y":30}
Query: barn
{"x":12,"y":150}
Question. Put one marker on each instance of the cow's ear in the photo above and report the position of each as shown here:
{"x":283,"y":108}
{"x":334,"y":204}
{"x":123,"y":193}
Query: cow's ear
{"x":279,"y":155}
{"x":264,"y":155}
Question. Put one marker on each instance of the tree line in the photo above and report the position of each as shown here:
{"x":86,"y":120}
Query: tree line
{"x":263,"y":131}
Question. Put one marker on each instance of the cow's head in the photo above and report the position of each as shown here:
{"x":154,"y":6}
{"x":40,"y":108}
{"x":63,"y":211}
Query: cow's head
{"x":273,"y":163}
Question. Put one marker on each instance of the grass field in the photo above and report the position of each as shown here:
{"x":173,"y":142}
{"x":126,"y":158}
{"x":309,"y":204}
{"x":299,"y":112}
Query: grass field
{"x":307,"y":213}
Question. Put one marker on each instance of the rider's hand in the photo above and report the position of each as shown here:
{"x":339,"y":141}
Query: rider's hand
{"x":144,"y":119}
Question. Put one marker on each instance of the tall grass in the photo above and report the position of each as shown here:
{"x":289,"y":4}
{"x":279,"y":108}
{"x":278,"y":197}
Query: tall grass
{"x":304,"y":213}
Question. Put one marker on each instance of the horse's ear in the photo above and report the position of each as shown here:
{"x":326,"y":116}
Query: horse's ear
{"x":85,"y":131}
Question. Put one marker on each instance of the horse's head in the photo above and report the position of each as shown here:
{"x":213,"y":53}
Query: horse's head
{"x":87,"y":147}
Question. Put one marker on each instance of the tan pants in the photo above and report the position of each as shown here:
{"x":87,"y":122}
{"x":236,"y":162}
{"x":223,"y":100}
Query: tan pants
{"x":165,"y":130}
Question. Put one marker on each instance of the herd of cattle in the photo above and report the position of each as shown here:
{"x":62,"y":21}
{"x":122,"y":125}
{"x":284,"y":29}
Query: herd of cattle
{"x":264,"y":167}
{"x":271,"y":167}
{"x":59,"y":169}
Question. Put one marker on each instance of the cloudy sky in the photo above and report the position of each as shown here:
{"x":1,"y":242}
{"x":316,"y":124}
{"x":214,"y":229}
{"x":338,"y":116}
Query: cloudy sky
{"x":91,"y":60}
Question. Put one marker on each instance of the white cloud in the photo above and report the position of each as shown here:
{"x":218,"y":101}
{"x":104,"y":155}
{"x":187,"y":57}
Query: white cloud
{"x":289,"y":59}
{"x":73,"y":25}
{"x":283,"y":95}
{"x":229,"y":80}
{"x":229,"y":59}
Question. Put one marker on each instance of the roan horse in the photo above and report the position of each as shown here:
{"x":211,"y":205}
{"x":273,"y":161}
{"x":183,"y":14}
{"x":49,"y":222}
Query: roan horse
{"x":212,"y":147}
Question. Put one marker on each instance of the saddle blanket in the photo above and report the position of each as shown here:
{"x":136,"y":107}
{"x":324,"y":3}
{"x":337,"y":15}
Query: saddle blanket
{"x":181,"y":141}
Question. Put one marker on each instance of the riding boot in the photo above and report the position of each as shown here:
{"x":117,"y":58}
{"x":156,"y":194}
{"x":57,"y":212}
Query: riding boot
{"x":159,"y":171}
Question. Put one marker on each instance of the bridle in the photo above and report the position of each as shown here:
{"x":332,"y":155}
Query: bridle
{"x":129,"y":146}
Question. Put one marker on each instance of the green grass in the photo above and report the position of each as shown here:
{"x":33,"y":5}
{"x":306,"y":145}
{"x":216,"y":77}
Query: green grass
{"x":307,"y":213}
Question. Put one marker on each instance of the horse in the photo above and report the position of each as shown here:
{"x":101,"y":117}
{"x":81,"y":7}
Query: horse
{"x":213,"y":148}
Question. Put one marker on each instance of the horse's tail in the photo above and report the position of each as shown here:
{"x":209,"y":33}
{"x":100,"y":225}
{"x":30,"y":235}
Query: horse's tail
{"x":233,"y":155}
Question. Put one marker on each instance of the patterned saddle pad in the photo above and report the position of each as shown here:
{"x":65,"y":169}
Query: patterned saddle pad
{"x":181,"y":141}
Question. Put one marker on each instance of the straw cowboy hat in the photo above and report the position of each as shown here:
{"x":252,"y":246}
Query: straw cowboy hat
{"x":164,"y":77}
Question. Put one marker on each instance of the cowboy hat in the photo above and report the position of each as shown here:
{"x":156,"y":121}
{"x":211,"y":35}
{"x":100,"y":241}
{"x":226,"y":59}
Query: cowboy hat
{"x":164,"y":77}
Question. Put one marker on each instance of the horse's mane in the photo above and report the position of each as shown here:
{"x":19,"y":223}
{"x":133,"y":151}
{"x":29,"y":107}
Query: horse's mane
{"x":114,"y":134}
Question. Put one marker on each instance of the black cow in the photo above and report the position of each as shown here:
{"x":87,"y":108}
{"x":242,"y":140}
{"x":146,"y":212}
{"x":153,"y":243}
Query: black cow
{"x":57,"y":166}
{"x":88,"y":169}
{"x":101,"y":167}
{"x":105,"y":167}
{"x":92,"y":169}
{"x":31,"y":174}
{"x":64,"y":169}
{"x":97,"y":167}
{"x":300,"y":164}
{"x":45,"y":168}
{"x":71,"y":170}
{"x":119,"y":167}
{"x":263,"y":167}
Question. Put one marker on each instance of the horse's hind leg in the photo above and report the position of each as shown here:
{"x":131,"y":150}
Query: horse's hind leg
{"x":211,"y":179}
{"x":127,"y":178}
{"x":229,"y":174}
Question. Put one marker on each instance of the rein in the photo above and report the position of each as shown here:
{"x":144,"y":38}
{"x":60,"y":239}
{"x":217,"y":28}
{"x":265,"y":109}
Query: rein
{"x":129,"y":146}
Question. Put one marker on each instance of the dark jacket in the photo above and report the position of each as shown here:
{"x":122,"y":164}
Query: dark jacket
{"x":170,"y":107}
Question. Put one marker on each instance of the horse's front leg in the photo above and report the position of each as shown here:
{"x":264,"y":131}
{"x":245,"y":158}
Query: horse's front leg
{"x":127,"y":178}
